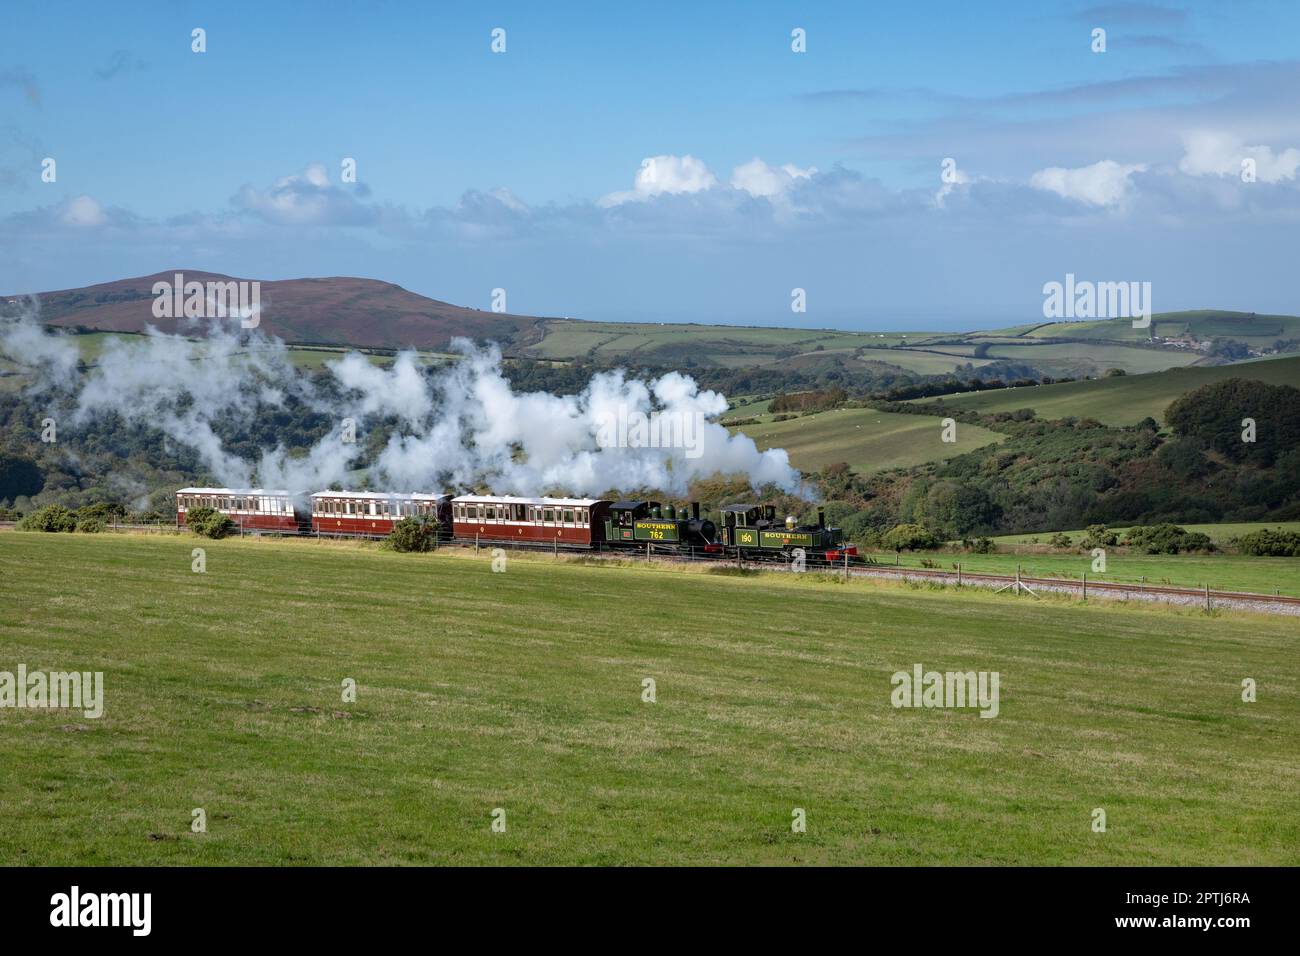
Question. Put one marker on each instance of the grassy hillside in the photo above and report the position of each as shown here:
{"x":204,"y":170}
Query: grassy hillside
{"x":1056,"y":348}
{"x":522,"y":691}
{"x":868,"y":440}
{"x":708,"y":344}
{"x":1201,"y":324}
{"x":1124,"y":400}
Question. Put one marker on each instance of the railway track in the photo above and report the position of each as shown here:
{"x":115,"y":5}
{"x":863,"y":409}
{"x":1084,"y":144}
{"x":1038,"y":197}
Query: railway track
{"x":1203,"y":597}
{"x":1200,"y":597}
{"x":1206,"y":597}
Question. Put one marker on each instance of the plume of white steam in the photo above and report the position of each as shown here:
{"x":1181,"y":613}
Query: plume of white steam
{"x":459,"y":427}
{"x":523,"y":443}
{"x":50,"y":354}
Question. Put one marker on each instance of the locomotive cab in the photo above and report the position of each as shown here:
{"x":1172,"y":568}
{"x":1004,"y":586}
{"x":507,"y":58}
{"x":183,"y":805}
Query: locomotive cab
{"x":649,"y":522}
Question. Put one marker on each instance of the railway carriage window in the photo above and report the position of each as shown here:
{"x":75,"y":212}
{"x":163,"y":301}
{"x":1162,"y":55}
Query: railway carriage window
{"x":491,"y":513}
{"x":550,"y":516}
{"x":568,"y":517}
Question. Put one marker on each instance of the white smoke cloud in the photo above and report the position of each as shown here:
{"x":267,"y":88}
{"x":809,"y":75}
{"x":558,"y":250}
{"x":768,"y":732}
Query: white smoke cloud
{"x":462,"y":426}
{"x":525,"y":443}
{"x":21,"y":334}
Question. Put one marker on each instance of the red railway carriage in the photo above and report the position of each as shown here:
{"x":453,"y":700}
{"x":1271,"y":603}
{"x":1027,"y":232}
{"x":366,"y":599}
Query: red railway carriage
{"x":373,"y":512}
{"x":568,"y":521}
{"x":251,"y":509}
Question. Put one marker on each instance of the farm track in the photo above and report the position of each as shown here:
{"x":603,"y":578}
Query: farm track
{"x":1195,"y":597}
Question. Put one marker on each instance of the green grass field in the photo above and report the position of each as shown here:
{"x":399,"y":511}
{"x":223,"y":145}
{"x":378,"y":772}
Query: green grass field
{"x":1218,"y":533}
{"x":1126,"y":400}
{"x":523,"y":691}
{"x":1226,"y":572}
{"x":865,"y":438}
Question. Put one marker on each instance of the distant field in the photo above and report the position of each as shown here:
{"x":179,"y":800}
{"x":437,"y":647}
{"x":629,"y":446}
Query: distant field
{"x":1125,"y":400}
{"x":1094,"y":359}
{"x":1202,"y":324}
{"x":1218,"y":533}
{"x":523,"y":691}
{"x":865,"y":438}
{"x":1087,"y":347}
{"x":724,"y":344}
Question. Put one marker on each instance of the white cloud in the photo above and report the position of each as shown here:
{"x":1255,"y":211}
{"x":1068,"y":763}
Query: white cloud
{"x":1101,"y":184}
{"x":1221,"y":154}
{"x":951,"y":180}
{"x":665,"y":175}
{"x":82,"y":211}
{"x":759,"y":179}
{"x":307,"y":199}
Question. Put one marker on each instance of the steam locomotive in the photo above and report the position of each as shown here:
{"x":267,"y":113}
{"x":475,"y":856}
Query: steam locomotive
{"x":582,"y":523}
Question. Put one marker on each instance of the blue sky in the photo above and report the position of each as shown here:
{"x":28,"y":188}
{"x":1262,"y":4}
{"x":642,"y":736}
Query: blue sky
{"x":672,"y":162}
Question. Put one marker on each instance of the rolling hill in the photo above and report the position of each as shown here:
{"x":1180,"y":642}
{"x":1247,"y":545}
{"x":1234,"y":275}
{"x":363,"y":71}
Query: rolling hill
{"x":1123,"y":400}
{"x":367,"y":313}
{"x":1054,"y":348}
{"x":364,"y":313}
{"x":866,"y":439}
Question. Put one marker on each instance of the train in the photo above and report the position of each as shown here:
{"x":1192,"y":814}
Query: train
{"x":747,"y":530}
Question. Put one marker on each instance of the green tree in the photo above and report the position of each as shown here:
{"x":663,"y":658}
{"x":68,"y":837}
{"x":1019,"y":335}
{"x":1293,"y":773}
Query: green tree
{"x":50,"y":518}
{"x":1213,"y":415}
{"x":416,"y":533}
{"x":208,"y":522}
{"x":909,"y":537}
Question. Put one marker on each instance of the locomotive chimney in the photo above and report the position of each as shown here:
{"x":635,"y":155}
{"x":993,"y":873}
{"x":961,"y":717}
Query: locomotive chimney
{"x":821,"y":517}
{"x":695,"y":510}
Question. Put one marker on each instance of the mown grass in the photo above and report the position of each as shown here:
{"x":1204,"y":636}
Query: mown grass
{"x":1229,"y":572}
{"x":523,"y":690}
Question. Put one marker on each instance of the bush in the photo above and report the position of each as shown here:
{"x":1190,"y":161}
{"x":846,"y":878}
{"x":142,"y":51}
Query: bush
{"x":90,"y":525}
{"x":1167,"y":539}
{"x":417,"y":533}
{"x":1061,"y":540}
{"x":979,"y":545}
{"x":909,"y":537}
{"x":208,"y":522}
{"x":50,"y":518}
{"x":1271,"y":544}
{"x":1099,"y":536}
